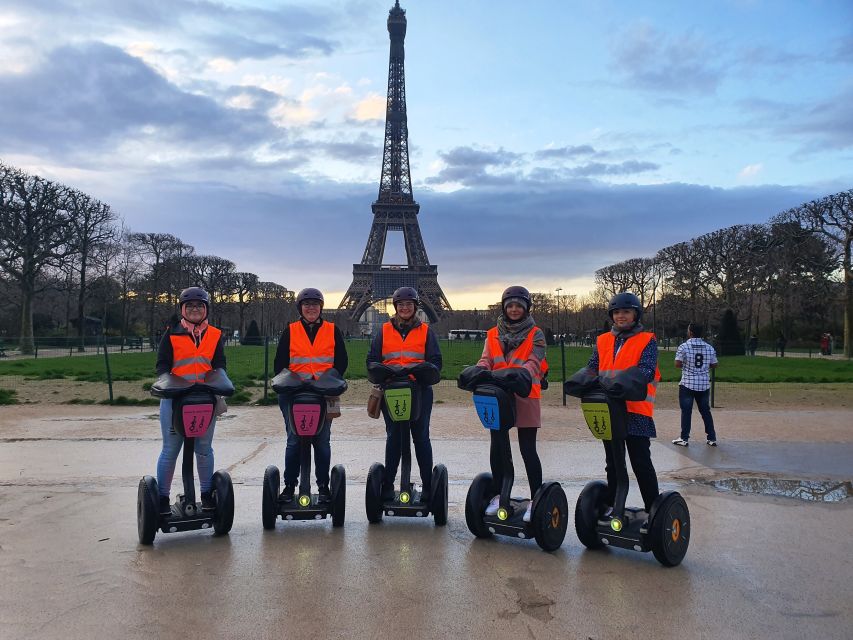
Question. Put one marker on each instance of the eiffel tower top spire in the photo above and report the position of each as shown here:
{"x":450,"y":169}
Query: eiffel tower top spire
{"x":395,"y":185}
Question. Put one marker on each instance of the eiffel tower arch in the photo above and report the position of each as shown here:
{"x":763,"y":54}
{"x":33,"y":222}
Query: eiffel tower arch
{"x":395,"y":209}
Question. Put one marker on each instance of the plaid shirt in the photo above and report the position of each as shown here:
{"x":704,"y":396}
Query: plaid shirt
{"x":696,"y":357}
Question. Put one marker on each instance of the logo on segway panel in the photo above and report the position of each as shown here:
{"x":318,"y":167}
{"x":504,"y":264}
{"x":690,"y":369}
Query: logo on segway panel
{"x":597,"y":417}
{"x":399,"y":404}
{"x":306,"y":419}
{"x":488,"y":411}
{"x":196,"y":419}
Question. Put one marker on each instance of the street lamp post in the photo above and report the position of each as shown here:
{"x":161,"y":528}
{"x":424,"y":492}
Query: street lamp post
{"x":558,"y":310}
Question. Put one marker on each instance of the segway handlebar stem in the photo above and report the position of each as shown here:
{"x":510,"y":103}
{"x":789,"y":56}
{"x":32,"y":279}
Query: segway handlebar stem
{"x":216,"y":381}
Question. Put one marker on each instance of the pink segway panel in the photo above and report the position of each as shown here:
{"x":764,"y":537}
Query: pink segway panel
{"x":197,"y":418}
{"x":306,"y":419}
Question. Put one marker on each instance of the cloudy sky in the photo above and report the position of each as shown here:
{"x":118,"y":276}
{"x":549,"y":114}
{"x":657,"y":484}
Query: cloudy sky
{"x":547,"y":138}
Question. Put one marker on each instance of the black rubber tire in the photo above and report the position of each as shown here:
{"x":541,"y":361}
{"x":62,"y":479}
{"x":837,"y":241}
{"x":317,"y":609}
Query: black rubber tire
{"x":147,"y":510}
{"x":589,"y":507}
{"x":669,"y":529}
{"x":438,"y":500}
{"x":550,"y":517}
{"x":478,"y":497}
{"x":373,"y":493}
{"x":223,"y":496}
{"x":338,"y":488}
{"x":269,"y":506}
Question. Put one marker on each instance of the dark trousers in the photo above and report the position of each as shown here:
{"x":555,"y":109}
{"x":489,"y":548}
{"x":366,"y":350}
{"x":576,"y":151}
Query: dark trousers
{"x":639,"y":452}
{"x":420,"y":438}
{"x":500,"y":451}
{"x":322,"y":451}
{"x":685,"y":400}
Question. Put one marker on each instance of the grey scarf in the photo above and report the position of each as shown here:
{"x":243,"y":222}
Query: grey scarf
{"x":624,"y":335}
{"x":512,"y":334}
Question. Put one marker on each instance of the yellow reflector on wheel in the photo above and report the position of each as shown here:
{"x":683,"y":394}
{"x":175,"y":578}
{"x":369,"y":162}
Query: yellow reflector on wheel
{"x":503,"y":514}
{"x":304,"y":501}
{"x":616,"y":524}
{"x":405,"y":497}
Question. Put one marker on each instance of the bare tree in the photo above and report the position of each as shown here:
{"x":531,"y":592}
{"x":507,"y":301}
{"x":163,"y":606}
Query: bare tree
{"x":154,"y":249}
{"x":245,"y":287}
{"x":33,"y":235}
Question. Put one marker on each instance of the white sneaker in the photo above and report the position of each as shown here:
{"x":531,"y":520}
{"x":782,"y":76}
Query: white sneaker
{"x":529,"y":512}
{"x":680,"y":442}
{"x":492,"y":509}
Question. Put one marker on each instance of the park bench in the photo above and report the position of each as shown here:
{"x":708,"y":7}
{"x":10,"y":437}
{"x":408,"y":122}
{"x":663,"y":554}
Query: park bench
{"x":134,"y":342}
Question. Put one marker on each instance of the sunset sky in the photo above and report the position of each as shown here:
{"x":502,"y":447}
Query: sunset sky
{"x":547,"y":138}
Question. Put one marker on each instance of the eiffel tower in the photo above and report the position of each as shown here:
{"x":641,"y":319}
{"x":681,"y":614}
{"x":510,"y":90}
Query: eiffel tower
{"x":395,"y":209}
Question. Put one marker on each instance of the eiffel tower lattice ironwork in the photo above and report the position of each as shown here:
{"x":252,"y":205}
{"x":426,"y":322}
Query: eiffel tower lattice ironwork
{"x":395,"y":209}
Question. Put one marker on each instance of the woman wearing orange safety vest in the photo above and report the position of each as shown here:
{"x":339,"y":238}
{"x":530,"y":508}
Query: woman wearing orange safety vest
{"x":190,"y":348}
{"x":404,"y":340}
{"x":626,"y":345}
{"x":308,"y":347}
{"x":516,"y":341}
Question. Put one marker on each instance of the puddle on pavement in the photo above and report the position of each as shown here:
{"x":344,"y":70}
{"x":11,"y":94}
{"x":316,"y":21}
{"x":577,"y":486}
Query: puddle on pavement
{"x":811,"y":490}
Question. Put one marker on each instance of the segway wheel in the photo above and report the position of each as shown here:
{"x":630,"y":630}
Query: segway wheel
{"x":669,"y":529}
{"x":223,"y":496}
{"x":338,"y":488}
{"x":438,"y":501}
{"x":550,"y":516}
{"x":373,"y":493}
{"x":269,"y":506}
{"x":589,"y":507}
{"x":479,"y":494}
{"x":147,"y":510}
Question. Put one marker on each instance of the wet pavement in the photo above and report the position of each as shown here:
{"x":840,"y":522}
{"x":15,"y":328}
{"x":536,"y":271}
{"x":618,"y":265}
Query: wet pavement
{"x":758,"y":566}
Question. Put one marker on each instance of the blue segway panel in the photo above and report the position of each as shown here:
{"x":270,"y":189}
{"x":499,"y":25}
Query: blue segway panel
{"x":488,"y":411}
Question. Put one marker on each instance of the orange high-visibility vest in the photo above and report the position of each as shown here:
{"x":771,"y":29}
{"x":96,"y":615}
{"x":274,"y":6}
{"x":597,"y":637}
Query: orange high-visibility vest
{"x":629,"y":356}
{"x":516,"y":358}
{"x":191,"y":362}
{"x":403,"y":351}
{"x":307,"y":359}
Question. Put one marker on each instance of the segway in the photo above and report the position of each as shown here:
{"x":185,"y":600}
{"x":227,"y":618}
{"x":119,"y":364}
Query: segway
{"x":494,"y":399}
{"x":306,"y":408}
{"x":401,"y":388}
{"x":193,"y":406}
{"x":665,"y":530}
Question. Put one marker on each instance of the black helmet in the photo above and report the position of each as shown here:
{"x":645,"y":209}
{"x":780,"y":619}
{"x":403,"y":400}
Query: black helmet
{"x":518,"y":294}
{"x":309,"y":294}
{"x":194,"y":293}
{"x":625,"y":300}
{"x":405,"y":293}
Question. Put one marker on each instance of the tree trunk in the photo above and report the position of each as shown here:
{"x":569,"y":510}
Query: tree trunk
{"x":81,"y":303}
{"x":26,"y":318}
{"x":848,"y":298}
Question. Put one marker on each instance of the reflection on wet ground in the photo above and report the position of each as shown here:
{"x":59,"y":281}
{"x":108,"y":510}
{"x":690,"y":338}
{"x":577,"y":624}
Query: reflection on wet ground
{"x":811,"y":490}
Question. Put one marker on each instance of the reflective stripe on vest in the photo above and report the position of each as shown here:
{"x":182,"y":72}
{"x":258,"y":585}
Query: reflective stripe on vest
{"x":308,"y":360}
{"x":629,"y":356}
{"x":516,"y":358}
{"x":191,"y":362}
{"x":403,"y":351}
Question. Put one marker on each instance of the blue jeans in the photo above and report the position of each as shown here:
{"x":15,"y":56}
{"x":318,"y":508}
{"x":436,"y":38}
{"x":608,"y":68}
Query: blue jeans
{"x":172,"y":443}
{"x":420,"y":438}
{"x":685,"y":400}
{"x":322,"y":450}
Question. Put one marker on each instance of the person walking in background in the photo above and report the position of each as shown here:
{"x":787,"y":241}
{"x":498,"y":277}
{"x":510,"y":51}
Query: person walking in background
{"x":695,"y":358}
{"x":780,"y":345}
{"x":753,"y":344}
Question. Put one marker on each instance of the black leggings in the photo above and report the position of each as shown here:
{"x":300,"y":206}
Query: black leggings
{"x":639,"y":452}
{"x":532,"y":464}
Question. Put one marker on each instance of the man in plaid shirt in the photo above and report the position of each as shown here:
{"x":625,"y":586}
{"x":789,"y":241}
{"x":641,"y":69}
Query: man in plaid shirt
{"x":695,"y":358}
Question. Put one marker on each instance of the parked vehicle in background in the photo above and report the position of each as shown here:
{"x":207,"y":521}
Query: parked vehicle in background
{"x":466,"y":334}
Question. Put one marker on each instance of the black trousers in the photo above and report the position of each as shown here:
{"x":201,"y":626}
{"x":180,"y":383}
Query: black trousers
{"x":639,"y":452}
{"x":500,"y":451}
{"x":420,"y":439}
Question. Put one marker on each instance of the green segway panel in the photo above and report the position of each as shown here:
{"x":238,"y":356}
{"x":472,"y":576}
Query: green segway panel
{"x":399,"y":403}
{"x":597,"y":417}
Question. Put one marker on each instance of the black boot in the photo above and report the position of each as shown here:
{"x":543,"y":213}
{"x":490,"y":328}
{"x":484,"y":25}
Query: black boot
{"x":287,"y":493}
{"x":426,"y":494}
{"x":323,"y":494}
{"x":165,"y":507}
{"x":207,"y":501}
{"x":387,"y":491}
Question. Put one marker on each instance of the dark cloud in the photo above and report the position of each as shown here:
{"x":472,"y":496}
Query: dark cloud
{"x":469,"y":166}
{"x":562,"y":153}
{"x":650,"y":59}
{"x":626,"y":168}
{"x":89,"y":97}
{"x":359,"y":150}
{"x":473,"y":158}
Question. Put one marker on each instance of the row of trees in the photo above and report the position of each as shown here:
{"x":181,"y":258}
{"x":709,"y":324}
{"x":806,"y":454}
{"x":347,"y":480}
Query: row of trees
{"x":65,"y":254}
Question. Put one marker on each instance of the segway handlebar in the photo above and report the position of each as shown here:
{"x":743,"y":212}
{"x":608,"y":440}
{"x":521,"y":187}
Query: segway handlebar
{"x":216,"y":381}
{"x":424,"y":373}
{"x":628,"y":384}
{"x":516,"y":380}
{"x":330,"y":383}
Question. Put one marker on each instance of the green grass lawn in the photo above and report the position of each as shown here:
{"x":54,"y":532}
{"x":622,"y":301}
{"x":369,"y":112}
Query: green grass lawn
{"x":246,"y":365}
